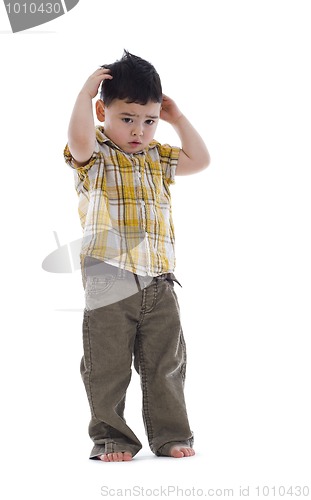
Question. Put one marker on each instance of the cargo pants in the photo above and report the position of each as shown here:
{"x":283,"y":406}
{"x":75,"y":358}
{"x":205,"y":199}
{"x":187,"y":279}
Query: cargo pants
{"x":129,"y":319}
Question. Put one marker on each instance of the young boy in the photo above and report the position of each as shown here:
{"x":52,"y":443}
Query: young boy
{"x":123,"y":178}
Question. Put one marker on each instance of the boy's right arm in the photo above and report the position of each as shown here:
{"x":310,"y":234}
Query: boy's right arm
{"x":81,"y":131}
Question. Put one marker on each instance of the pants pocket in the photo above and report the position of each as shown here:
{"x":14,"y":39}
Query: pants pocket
{"x":98,"y":291}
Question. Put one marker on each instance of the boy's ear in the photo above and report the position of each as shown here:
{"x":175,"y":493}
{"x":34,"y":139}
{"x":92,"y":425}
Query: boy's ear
{"x":100,"y":110}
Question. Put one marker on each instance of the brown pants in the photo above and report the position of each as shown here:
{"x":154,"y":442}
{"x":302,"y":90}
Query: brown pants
{"x":144,"y":326}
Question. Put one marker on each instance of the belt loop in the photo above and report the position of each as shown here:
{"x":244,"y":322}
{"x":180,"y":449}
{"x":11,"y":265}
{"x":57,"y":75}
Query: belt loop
{"x":137,"y":282}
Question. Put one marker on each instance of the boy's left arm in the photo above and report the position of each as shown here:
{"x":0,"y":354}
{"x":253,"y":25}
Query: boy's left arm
{"x":194,"y":155}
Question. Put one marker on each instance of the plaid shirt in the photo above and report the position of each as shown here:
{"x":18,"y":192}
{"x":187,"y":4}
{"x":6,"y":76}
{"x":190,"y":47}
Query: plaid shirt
{"x":125,"y":206}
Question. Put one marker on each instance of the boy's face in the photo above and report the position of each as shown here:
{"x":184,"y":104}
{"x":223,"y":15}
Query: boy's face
{"x":130,"y":126}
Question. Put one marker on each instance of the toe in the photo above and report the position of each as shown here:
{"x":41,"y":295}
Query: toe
{"x":188,"y":452}
{"x":127,"y":456}
{"x":180,"y":452}
{"x":116,"y":457}
{"x":176,"y":453}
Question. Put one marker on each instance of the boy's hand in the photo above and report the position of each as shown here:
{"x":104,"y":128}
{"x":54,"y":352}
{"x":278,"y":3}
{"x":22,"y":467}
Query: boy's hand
{"x":193,"y":155}
{"x":169,"y":110}
{"x":92,"y":84}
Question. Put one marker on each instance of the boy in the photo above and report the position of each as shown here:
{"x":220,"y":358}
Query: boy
{"x":127,"y":256}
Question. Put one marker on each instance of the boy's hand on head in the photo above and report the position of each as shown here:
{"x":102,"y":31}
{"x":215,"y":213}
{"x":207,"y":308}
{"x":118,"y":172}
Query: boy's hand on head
{"x":81,"y":131}
{"x":193,"y":155}
{"x":92,"y":84}
{"x":169,"y":110}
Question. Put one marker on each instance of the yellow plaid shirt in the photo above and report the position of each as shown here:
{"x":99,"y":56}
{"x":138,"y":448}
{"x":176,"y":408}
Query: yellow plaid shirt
{"x":125,"y":206}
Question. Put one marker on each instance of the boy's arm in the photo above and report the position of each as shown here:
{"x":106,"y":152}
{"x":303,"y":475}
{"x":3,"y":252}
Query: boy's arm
{"x":194,"y":155}
{"x":81,"y":131}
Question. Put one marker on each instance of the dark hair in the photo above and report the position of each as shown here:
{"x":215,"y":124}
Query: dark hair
{"x":134,"y":80}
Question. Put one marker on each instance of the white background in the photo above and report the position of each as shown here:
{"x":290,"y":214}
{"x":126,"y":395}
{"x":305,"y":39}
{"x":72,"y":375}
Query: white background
{"x":240,"y":70}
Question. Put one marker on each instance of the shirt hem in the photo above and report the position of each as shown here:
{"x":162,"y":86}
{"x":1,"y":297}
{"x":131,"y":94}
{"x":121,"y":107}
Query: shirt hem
{"x":139,"y":272}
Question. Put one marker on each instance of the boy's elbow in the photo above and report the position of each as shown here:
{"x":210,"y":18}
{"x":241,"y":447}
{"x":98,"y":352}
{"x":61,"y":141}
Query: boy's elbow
{"x":80,"y":150}
{"x":205,"y":161}
{"x":188,"y":166}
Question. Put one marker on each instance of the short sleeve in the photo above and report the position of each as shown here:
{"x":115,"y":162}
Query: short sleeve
{"x":69,"y":159}
{"x":81,"y":174}
{"x":169,"y":158}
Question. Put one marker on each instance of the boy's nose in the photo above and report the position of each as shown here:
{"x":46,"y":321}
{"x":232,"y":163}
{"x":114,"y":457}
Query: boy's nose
{"x":137,"y":131}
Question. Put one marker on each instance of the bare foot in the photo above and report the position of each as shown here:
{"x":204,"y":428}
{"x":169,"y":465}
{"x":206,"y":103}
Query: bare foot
{"x":116,"y":457}
{"x":181,"y":452}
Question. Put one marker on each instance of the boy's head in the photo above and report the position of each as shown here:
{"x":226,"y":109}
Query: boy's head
{"x":130,"y":103}
{"x":134,"y":80}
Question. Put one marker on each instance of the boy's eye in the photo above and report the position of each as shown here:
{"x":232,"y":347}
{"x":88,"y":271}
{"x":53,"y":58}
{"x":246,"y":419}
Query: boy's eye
{"x":127,"y":120}
{"x":150,"y":122}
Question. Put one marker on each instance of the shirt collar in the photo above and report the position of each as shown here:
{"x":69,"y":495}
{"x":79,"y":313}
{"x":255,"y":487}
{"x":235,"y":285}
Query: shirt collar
{"x":102,"y":138}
